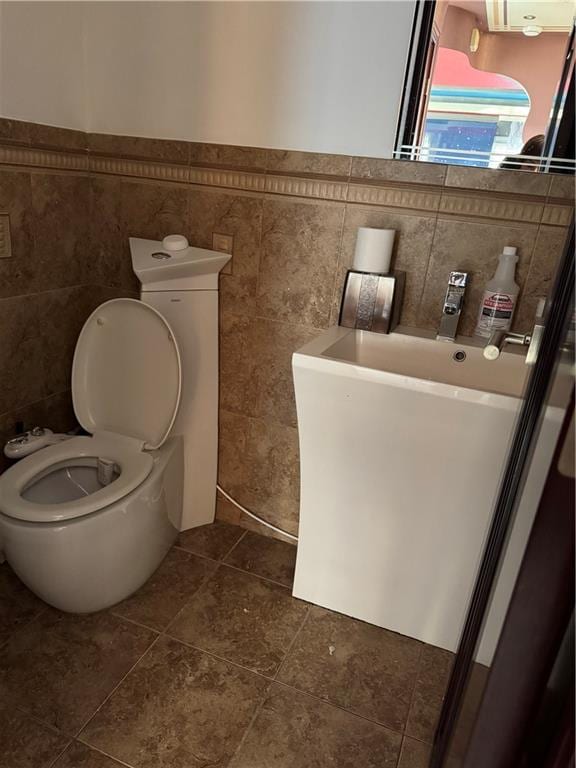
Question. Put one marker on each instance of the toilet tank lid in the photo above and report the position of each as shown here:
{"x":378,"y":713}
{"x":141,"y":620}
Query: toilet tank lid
{"x":127,"y":373}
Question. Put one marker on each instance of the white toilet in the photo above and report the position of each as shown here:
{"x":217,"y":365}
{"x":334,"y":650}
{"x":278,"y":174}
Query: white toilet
{"x":85,"y":522}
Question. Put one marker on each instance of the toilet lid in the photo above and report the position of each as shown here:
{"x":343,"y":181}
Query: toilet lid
{"x":126,"y":375}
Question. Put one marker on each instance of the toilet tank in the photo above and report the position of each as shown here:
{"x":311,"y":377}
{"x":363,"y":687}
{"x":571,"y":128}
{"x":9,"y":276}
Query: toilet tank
{"x":183,"y":287}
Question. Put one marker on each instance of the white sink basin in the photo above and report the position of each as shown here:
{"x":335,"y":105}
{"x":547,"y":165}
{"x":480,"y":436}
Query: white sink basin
{"x":188,"y":269}
{"x":416,"y":354}
{"x":401,"y":453}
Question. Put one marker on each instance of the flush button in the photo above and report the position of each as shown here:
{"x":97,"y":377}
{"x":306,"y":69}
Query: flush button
{"x":161,"y":255}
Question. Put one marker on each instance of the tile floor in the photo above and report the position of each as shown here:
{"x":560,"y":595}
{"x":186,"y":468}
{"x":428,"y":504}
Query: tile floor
{"x":212,"y":663}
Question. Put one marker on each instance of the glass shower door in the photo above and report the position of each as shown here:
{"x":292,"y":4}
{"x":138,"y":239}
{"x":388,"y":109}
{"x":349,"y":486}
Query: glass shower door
{"x":469,"y":723}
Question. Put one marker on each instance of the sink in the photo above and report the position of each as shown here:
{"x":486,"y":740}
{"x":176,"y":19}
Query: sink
{"x":187,"y":269}
{"x":403,"y":440}
{"x":418,"y":355}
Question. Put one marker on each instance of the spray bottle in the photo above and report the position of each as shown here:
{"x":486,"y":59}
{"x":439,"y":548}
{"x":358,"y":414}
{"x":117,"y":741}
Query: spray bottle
{"x":499,"y":299}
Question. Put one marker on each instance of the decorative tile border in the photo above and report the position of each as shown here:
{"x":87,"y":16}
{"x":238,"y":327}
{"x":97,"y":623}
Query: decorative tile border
{"x":394,"y":194}
{"x":141,"y":169}
{"x":42,"y":158}
{"x":254,"y":182}
{"x":299,"y":187}
{"x":491,"y":208}
{"x":558,"y":215}
{"x":394,"y":197}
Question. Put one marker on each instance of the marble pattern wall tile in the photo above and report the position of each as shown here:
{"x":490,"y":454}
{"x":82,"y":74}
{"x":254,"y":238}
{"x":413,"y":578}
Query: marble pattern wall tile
{"x":21,"y":351}
{"x":17,"y":272}
{"x":411,"y":252}
{"x":53,"y":137}
{"x":60,"y":226}
{"x":54,"y":411}
{"x":228,"y":156}
{"x":272,"y":347}
{"x":237,"y":391}
{"x":111,"y":263}
{"x":515,"y":182}
{"x":474,"y":248}
{"x":300,"y":242}
{"x":153,"y":210}
{"x":287,"y":161}
{"x":258,"y":465}
{"x":562,"y":186}
{"x":377,"y":169}
{"x":138,"y":147}
{"x":239,"y":215}
{"x":540,"y":277}
{"x":14,"y":131}
{"x":256,"y":366}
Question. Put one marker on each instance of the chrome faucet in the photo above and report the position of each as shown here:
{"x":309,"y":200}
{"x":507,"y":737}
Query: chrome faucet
{"x":499,"y":339}
{"x":452,"y":308}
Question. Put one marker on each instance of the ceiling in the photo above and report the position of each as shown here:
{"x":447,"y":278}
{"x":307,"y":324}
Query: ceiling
{"x":510,"y":15}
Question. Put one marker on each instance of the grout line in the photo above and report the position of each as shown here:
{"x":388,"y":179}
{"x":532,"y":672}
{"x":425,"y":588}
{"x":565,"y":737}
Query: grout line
{"x":258,"y":576}
{"x":41,"y":610}
{"x":217,"y":657}
{"x":413,"y":691}
{"x":113,"y":691}
{"x":233,"y":547}
{"x":330,"y":703}
{"x":101,"y":752}
{"x":259,"y":707}
{"x":291,"y":645}
{"x":59,"y":755}
{"x":112,"y":612}
{"x":270,"y":679}
{"x":31,"y":716}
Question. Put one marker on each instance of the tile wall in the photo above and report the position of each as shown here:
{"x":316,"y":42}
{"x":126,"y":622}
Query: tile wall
{"x":74,"y":199}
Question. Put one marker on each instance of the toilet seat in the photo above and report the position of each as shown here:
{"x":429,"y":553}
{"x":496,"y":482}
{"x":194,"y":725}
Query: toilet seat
{"x":135,"y":466}
{"x":126,"y":384}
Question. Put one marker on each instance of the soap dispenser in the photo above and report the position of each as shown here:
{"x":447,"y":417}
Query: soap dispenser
{"x":500,"y":296}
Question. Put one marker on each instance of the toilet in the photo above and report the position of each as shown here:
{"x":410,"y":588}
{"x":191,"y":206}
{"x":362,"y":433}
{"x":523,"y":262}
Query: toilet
{"x":86,"y":521}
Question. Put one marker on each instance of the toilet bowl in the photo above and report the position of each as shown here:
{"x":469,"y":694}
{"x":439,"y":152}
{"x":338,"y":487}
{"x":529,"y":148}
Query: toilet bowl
{"x":85,"y":522}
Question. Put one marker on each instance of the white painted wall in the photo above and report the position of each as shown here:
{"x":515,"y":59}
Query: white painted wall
{"x":42,"y":75}
{"x":316,"y":76}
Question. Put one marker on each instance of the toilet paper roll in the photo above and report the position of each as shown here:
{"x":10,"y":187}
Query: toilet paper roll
{"x":373,"y":250}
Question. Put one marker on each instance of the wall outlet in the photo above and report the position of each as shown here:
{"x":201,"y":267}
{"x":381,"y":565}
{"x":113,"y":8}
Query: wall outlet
{"x":5,"y":244}
{"x":224,"y":244}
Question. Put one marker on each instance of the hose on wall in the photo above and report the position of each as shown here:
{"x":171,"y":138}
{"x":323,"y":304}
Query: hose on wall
{"x":252,"y":515}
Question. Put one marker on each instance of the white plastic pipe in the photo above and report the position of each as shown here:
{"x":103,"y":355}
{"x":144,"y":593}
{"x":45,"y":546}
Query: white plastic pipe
{"x":255,"y":517}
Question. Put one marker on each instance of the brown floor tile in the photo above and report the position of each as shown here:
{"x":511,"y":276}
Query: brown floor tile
{"x":265,"y":557}
{"x":80,"y":756}
{"x":433,"y":674}
{"x":61,"y":667}
{"x":18,"y":605}
{"x":25,"y":743}
{"x":414,"y":754}
{"x":167,"y":591}
{"x":214,"y":540}
{"x":365,"y":669}
{"x":293,"y":730}
{"x":178,"y":708}
{"x":241,"y":618}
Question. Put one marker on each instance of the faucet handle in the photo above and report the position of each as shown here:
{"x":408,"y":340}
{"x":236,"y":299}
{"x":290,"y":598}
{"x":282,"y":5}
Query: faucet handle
{"x":458,"y":279}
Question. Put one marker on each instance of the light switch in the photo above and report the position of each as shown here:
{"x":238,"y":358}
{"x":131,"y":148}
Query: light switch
{"x":5,"y":244}
{"x":224,"y":244}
